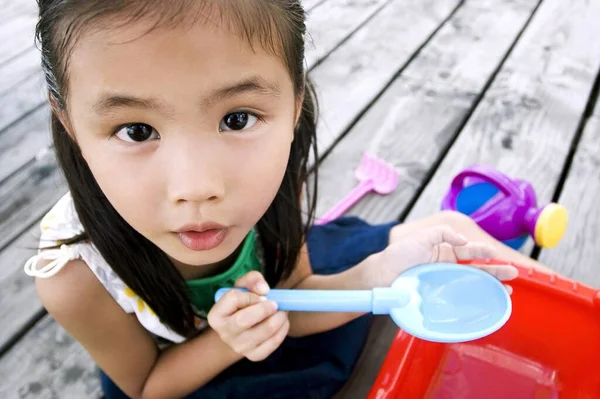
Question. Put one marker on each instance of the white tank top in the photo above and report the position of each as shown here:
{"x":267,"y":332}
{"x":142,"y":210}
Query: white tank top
{"x":62,"y":223}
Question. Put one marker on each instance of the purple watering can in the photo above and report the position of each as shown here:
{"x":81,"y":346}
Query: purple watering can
{"x":504,"y":207}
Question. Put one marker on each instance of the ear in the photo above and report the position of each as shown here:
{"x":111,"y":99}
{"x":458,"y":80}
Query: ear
{"x":61,"y":115}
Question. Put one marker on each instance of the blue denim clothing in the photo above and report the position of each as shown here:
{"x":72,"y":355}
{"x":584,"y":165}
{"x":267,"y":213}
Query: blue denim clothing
{"x":312,"y":367}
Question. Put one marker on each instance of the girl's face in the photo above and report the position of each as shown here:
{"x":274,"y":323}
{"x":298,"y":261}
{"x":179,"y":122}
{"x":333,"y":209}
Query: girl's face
{"x":187,"y":132}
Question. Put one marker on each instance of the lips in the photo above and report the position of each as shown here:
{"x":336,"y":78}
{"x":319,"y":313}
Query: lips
{"x":202,"y":237}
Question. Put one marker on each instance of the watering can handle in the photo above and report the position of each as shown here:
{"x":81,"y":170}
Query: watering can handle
{"x":503,"y":182}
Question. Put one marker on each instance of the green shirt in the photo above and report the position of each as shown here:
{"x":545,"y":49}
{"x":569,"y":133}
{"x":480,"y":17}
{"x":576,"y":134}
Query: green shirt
{"x":202,"y":291}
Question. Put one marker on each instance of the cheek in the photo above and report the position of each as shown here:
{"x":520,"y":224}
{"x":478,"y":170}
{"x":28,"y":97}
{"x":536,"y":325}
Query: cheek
{"x":127,"y":184}
{"x":259,"y":173}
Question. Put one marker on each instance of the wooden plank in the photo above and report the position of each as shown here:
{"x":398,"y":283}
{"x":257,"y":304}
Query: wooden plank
{"x":27,"y":195}
{"x":19,"y":302}
{"x":309,"y":5}
{"x":351,"y":78}
{"x":27,"y":96}
{"x":16,"y":35}
{"x":14,"y":72}
{"x":531,"y":111}
{"x":596,"y":111}
{"x":10,"y":9}
{"x":412,"y":123}
{"x":327,"y":32}
{"x":21,"y":142}
{"x":576,"y":256}
{"x":57,"y":368}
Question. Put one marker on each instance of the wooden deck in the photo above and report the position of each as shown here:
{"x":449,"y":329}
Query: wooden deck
{"x":430,"y":85}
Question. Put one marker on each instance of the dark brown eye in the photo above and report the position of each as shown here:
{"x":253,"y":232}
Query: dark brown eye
{"x":136,"y":133}
{"x":237,"y":121}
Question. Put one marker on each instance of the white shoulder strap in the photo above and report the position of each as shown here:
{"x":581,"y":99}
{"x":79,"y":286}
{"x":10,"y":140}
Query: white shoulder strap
{"x":58,"y":257}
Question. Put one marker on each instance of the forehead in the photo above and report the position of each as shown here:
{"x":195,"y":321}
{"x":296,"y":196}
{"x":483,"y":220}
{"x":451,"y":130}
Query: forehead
{"x":167,"y":61}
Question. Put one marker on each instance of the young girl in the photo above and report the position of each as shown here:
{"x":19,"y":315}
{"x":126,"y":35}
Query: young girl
{"x":183,"y":129}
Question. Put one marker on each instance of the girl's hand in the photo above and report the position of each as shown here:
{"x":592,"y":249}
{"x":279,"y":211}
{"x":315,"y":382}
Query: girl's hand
{"x":431,"y":245}
{"x":247,"y":322}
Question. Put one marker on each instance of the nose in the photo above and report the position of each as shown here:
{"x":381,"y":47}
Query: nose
{"x":194,"y":174}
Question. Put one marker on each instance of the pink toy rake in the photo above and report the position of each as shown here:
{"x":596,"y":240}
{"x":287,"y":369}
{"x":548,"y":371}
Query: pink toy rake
{"x":373,"y":174}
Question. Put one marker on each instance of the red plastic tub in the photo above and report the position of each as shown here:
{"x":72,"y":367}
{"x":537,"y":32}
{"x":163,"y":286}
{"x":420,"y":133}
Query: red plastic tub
{"x":550,"y":348}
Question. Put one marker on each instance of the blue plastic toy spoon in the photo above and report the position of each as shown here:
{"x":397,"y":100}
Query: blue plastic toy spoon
{"x":440,"y":302}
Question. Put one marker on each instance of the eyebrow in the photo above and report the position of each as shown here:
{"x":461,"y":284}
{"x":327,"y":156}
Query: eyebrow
{"x":253,"y":84}
{"x":108,"y":102}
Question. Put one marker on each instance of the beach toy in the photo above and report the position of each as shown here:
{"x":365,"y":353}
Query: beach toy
{"x":505,"y":207}
{"x":549,"y":349}
{"x":439,"y":302}
{"x":373,"y":174}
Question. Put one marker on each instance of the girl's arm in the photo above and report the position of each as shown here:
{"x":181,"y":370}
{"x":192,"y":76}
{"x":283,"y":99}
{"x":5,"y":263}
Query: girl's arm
{"x":307,"y":323}
{"x":121,"y":347}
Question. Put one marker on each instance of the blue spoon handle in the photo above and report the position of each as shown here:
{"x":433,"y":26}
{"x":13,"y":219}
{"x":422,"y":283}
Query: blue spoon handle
{"x":378,"y":301}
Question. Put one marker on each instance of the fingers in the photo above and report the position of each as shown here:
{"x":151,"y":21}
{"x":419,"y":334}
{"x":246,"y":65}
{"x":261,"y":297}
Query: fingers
{"x":251,"y":339}
{"x":444,"y":234}
{"x":270,"y":345}
{"x":247,"y":321}
{"x":253,"y":281}
{"x":231,"y":302}
{"x":444,"y":253}
{"x":474,"y":250}
{"x":463,"y":248}
{"x":247,"y":318}
{"x":501,"y":272}
{"x":255,"y":331}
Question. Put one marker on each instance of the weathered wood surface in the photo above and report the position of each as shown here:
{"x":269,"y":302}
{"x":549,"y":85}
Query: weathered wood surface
{"x":20,"y":74}
{"x":418,"y":116}
{"x":23,"y":140}
{"x":529,"y":116}
{"x":352,"y":77}
{"x":411,"y":125}
{"x":578,"y":253}
{"x":15,"y":36}
{"x":27,"y":195}
{"x":56,"y":369}
{"x":348,"y":15}
{"x":19,"y":303}
{"x":18,"y":69}
{"x":596,"y":111}
{"x":15,"y":8}
{"x":410,"y":75}
{"x":310,"y":4}
{"x":22,"y":99}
